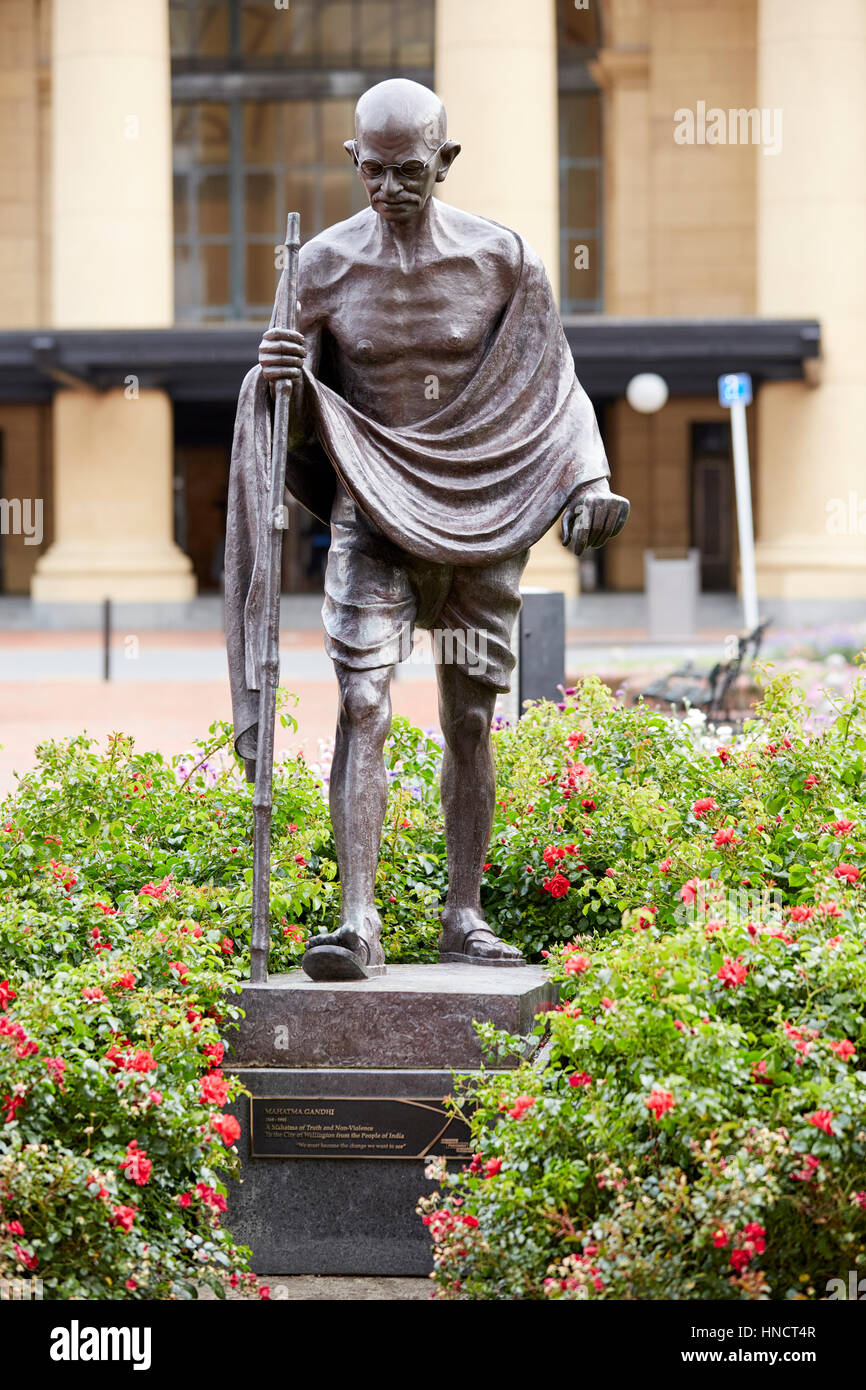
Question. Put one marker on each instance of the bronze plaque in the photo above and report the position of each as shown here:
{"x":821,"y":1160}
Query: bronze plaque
{"x":354,"y":1127}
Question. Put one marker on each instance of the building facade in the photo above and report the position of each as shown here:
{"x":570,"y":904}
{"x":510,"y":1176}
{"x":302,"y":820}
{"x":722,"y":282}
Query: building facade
{"x":692,"y":173}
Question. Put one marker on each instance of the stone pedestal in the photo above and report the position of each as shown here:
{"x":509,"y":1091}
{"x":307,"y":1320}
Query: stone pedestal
{"x":401,"y":1037}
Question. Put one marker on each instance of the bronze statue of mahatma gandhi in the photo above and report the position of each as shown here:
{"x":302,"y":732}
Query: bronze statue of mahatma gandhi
{"x":437,"y":425}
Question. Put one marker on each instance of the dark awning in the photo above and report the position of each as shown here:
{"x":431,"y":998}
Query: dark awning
{"x":208,"y":364}
{"x":691,"y":354}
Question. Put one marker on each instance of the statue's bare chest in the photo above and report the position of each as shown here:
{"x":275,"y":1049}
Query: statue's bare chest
{"x":382,"y":314}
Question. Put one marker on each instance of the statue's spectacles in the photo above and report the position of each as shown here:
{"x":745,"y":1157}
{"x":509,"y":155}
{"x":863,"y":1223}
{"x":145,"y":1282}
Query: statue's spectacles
{"x":410,"y":169}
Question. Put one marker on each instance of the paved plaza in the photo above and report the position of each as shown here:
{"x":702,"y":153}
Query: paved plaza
{"x":169,"y":682}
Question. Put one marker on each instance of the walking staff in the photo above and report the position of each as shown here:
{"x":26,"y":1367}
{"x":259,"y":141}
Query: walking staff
{"x":285,"y":317}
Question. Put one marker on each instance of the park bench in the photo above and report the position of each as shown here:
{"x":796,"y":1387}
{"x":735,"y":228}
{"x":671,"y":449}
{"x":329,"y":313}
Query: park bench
{"x":710,"y":690}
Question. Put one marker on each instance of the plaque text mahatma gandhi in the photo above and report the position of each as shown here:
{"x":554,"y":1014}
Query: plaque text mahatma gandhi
{"x":354,"y":1127}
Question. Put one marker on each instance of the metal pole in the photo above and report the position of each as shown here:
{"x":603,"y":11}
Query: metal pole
{"x":286,"y":317}
{"x":106,"y":639}
{"x":740,"y":442}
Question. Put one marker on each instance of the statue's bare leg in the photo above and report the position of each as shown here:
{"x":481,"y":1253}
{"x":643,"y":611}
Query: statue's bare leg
{"x":468,"y":800}
{"x":358,"y":793}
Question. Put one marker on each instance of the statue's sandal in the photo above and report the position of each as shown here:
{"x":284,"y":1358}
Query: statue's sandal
{"x":341,"y":955}
{"x":465,"y":957}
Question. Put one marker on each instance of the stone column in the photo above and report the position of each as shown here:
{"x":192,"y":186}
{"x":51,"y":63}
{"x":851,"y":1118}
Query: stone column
{"x":112,"y":268}
{"x":496,"y":73}
{"x":811,"y":239}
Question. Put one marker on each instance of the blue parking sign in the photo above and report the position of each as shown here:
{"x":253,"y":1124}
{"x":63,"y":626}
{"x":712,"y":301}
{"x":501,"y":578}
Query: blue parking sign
{"x":735,"y":388}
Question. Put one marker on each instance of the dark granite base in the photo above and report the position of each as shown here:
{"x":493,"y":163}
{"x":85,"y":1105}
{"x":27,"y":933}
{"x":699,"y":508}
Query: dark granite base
{"x":332,"y":1216}
{"x":397,"y":1036}
{"x":415,"y":1016}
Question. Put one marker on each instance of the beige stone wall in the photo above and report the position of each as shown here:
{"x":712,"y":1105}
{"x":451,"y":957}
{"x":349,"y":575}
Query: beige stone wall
{"x":24,"y":112}
{"x":812,"y":261}
{"x":702,"y":196}
{"x":496,"y":73}
{"x":680,"y":219}
{"x":111,"y":181}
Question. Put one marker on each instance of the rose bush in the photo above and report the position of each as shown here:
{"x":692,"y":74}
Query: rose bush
{"x":683,"y":1106}
{"x":125,"y":887}
{"x":697,"y":1125}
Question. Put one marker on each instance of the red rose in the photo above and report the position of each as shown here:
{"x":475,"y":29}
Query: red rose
{"x":136,"y":1165}
{"x":227,"y":1127}
{"x":521,"y":1105}
{"x":689,"y":890}
{"x":141,"y":1061}
{"x":123,"y":1217}
{"x":755,"y":1237}
{"x":214,"y":1088}
{"x":659,"y":1101}
{"x":575,"y":965}
{"x":557,"y":886}
{"x":732,"y":972}
{"x":822,"y":1119}
{"x":725,"y":836}
{"x":57,"y":1068}
{"x":847,"y":871}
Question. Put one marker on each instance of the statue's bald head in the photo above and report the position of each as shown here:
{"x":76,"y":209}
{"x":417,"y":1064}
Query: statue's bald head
{"x":399,"y":108}
{"x":400,"y":147}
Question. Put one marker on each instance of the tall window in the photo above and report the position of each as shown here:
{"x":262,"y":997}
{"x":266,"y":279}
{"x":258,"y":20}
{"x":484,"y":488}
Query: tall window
{"x":263,"y":99}
{"x":580,"y":161}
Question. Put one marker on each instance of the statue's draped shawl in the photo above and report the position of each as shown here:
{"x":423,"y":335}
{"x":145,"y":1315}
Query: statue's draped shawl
{"x":477,"y":482}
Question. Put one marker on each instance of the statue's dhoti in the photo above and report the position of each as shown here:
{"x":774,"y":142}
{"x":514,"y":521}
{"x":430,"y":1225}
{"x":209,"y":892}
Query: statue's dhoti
{"x":376,"y":594}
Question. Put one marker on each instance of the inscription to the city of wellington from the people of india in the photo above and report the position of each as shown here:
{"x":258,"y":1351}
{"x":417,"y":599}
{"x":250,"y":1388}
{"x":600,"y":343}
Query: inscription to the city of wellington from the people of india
{"x":354,"y":1127}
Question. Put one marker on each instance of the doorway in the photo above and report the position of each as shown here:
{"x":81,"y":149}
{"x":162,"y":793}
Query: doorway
{"x":712,"y":505}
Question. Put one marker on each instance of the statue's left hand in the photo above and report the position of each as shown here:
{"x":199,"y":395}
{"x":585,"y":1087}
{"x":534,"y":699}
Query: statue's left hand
{"x":593,"y":516}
